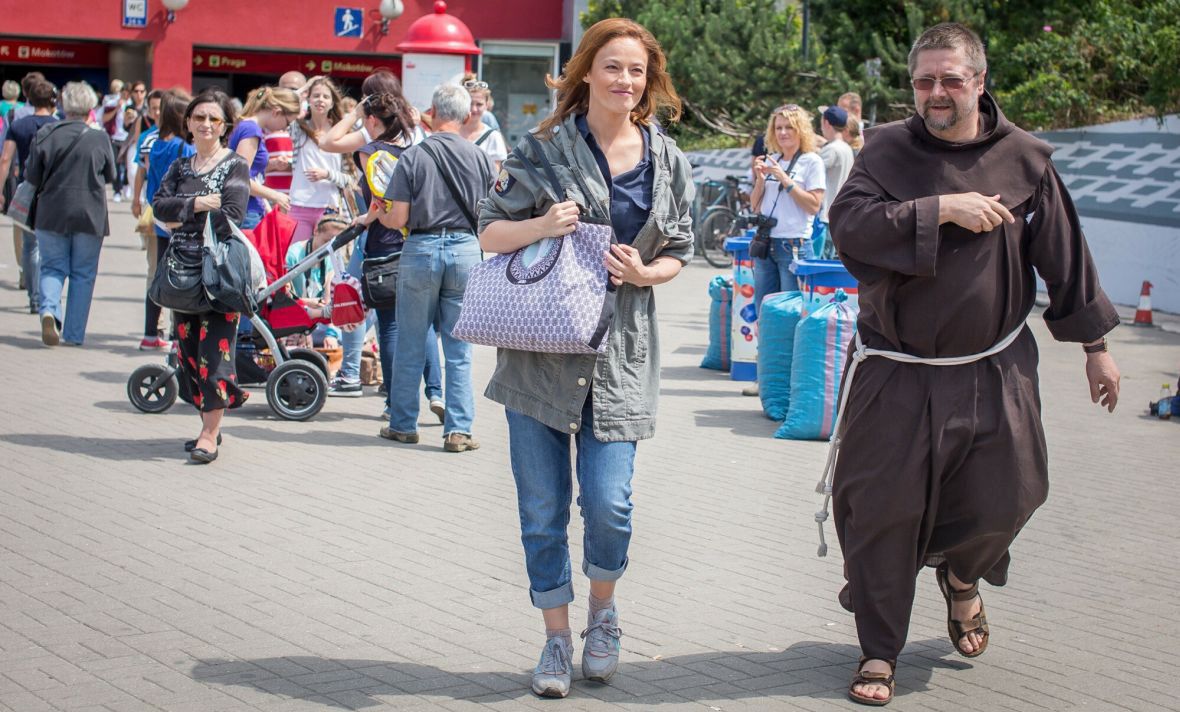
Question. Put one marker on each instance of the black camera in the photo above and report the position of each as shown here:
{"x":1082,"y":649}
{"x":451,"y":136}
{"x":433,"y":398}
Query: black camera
{"x":760,"y":245}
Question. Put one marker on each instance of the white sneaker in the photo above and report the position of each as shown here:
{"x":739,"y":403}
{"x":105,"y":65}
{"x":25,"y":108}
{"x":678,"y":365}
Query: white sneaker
{"x":553,"y":674}
{"x":600,"y":656}
{"x":439,"y":409}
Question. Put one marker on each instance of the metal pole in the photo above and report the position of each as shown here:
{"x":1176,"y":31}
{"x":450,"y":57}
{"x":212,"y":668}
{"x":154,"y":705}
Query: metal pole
{"x":806,"y":27}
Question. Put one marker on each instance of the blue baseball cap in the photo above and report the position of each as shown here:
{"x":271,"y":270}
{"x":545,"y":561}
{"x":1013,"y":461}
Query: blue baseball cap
{"x":836,"y":116}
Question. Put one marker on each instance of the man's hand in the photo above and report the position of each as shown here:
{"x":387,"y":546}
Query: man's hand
{"x":1103,"y":375}
{"x":977,"y":213}
{"x":330,"y":342}
{"x":205,"y":203}
{"x":136,"y":208}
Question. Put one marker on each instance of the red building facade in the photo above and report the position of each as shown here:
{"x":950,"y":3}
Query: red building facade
{"x":241,"y":44}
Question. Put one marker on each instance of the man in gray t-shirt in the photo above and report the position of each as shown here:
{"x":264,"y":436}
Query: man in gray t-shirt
{"x":439,"y":253}
{"x":837,"y":157}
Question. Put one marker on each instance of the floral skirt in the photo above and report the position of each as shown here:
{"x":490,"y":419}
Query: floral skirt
{"x":207,"y":343}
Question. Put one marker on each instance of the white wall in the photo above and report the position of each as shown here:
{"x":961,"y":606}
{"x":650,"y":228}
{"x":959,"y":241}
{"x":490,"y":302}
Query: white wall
{"x":1128,"y":253}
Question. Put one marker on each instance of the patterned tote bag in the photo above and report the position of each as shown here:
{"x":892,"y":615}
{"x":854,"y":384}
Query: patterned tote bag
{"x":552,"y":296}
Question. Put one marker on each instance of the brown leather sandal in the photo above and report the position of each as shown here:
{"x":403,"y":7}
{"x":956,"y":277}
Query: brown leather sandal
{"x":957,"y":629}
{"x":872,"y":678}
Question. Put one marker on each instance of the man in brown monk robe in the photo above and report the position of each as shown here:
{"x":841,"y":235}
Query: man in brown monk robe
{"x":943,"y":221}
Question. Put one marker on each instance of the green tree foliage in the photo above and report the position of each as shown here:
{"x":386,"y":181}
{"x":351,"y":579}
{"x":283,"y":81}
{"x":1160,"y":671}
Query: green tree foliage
{"x":733,"y":61}
{"x":1052,"y":63}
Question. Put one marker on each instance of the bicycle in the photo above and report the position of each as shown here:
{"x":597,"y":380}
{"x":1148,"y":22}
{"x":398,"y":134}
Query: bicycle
{"x":718,"y":213}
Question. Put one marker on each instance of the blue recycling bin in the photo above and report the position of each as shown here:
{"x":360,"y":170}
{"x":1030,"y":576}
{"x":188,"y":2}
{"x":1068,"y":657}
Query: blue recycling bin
{"x":743,"y":356}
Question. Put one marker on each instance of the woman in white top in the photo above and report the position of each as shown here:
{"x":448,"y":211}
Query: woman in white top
{"x":789,"y":185}
{"x":476,"y":131}
{"x":318,"y":176}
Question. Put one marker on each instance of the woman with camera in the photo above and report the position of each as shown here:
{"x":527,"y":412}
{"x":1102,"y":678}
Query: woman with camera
{"x":215,"y":178}
{"x":789,"y":185}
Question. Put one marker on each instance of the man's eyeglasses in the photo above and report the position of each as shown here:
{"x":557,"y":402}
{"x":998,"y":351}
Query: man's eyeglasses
{"x":948,"y":83}
{"x":206,"y":118}
{"x":474,"y":84}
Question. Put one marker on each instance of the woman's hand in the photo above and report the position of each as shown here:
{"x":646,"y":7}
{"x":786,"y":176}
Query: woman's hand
{"x":625,"y":265}
{"x":136,"y":207}
{"x":206,"y":203}
{"x":375,"y":209}
{"x":330,"y":342}
{"x":282,"y":201}
{"x":560,"y":219}
{"x":316,"y":174}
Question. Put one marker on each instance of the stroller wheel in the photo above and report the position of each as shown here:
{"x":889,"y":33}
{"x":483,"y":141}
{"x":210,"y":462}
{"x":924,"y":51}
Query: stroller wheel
{"x":311,"y":356}
{"x":296,"y":390}
{"x":152,"y":388}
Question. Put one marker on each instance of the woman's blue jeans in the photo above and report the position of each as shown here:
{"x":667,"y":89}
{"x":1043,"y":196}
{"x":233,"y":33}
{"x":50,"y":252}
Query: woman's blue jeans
{"x":772,"y":273}
{"x":540,"y":459}
{"x":72,"y":256}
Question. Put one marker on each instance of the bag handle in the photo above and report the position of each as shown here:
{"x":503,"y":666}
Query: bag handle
{"x":458,"y":198}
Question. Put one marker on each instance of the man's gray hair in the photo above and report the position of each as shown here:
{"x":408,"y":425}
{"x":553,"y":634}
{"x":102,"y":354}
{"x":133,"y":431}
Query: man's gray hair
{"x":11,"y":90}
{"x":77,"y":99}
{"x":951,"y":35}
{"x":451,"y":102}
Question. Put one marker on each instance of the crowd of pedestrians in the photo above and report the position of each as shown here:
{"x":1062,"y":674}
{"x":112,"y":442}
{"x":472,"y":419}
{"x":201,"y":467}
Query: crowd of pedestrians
{"x":435,"y":188}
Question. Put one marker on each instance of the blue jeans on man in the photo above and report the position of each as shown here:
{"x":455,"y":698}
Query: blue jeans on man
{"x":74,"y":257}
{"x":431,"y":280}
{"x":540,"y":459}
{"x":387,"y":333}
{"x":772,"y":273}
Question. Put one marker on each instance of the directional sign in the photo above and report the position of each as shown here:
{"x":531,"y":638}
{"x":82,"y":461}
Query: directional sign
{"x":349,"y":21}
{"x":75,"y":54}
{"x":228,"y":61}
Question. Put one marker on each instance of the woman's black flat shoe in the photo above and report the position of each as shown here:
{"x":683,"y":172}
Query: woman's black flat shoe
{"x":202,"y":456}
{"x":190,"y":445}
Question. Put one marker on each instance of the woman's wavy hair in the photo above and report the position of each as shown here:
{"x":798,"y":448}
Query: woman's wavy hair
{"x":281,"y":98}
{"x":334,"y":113}
{"x":799,"y":120}
{"x":393,"y":111}
{"x":573,"y":94}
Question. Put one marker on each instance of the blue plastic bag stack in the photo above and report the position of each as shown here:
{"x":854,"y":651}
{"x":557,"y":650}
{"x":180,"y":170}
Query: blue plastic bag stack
{"x":777,"y":319}
{"x":720,"y":329}
{"x":820,"y":353}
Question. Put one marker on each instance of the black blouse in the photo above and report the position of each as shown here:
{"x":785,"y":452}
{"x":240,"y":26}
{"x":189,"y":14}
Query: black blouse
{"x":182,"y":186}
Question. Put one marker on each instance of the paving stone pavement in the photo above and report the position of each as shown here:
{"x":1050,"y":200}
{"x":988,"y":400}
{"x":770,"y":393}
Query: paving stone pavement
{"x":315,"y":566}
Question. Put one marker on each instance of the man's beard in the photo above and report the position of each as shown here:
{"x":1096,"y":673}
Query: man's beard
{"x":949,"y":121}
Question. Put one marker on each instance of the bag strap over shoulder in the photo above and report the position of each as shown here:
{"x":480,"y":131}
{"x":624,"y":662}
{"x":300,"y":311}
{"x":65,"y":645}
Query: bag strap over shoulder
{"x":454,"y":189}
{"x":60,"y":156}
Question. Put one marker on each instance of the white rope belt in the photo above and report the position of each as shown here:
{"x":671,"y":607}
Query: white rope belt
{"x":860,"y":354}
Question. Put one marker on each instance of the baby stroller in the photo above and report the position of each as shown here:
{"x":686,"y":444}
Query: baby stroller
{"x":296,"y":380}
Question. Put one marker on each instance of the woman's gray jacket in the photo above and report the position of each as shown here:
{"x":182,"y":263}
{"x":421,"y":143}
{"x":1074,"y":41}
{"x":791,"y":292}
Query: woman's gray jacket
{"x":552,"y":388}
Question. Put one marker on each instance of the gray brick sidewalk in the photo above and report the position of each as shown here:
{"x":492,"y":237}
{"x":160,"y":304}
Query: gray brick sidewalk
{"x":317,"y":567}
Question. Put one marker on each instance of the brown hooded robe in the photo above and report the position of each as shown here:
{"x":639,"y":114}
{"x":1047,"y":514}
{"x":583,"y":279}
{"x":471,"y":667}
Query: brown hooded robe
{"x":948,"y":461}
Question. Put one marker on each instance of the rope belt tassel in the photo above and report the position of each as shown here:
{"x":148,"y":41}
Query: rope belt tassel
{"x":860,"y":354}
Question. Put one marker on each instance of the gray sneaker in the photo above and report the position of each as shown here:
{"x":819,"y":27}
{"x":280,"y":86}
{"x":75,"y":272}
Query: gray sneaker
{"x":551,"y":677}
{"x":600,"y":656}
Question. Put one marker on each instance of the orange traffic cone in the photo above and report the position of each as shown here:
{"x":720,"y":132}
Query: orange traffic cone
{"x":1143,"y":312}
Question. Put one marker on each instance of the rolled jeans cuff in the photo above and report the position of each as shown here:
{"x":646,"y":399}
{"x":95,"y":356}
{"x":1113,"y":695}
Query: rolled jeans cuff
{"x":595,"y":573}
{"x":560,"y":596}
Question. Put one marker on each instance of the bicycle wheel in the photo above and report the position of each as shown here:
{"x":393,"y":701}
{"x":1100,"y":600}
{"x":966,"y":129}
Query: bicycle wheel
{"x":716,"y":225}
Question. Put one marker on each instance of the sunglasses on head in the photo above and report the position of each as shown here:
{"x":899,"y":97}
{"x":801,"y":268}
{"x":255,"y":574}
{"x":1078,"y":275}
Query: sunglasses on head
{"x":474,"y":84}
{"x":785,"y":108}
{"x":206,"y":118}
{"x":948,"y":83}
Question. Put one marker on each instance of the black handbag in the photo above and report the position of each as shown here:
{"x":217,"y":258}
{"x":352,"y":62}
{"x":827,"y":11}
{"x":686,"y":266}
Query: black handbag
{"x":379,"y":281}
{"x":225,"y":268}
{"x":177,"y":284}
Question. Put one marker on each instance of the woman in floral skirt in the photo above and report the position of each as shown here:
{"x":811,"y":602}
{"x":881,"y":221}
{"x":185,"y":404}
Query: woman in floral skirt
{"x":215,"y":178}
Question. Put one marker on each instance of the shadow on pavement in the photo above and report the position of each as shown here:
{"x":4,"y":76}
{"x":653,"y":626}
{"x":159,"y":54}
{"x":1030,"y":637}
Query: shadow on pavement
{"x":107,"y":377}
{"x":117,"y":449}
{"x":805,"y":670}
{"x":746,"y":422}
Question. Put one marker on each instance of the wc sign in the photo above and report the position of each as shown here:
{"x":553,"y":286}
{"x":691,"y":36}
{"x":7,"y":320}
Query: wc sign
{"x":135,"y":13}
{"x":348,"y":21}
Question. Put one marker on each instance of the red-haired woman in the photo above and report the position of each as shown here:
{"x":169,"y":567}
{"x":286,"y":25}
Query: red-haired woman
{"x":614,"y":165}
